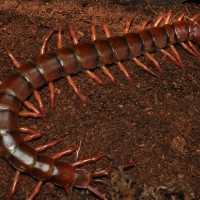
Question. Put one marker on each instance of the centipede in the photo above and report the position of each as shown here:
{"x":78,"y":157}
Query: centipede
{"x":67,"y":63}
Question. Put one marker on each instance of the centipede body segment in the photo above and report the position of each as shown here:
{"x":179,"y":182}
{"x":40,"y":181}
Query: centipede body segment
{"x":67,"y":62}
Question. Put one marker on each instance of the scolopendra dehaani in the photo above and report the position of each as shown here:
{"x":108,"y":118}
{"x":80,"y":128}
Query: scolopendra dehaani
{"x":66,"y":62}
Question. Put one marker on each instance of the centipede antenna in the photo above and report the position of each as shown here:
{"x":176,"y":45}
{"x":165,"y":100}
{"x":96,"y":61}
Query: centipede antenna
{"x":144,"y":67}
{"x":12,"y":58}
{"x":75,"y":89}
{"x":153,"y":60}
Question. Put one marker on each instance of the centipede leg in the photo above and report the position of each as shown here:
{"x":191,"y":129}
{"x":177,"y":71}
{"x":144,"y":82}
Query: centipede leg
{"x":166,"y":53}
{"x":24,"y":113}
{"x":38,"y":186}
{"x":106,"y":172}
{"x":16,"y":63}
{"x":148,"y":55}
{"x":144,"y":24}
{"x":127,"y":26}
{"x":39,"y":101}
{"x":42,"y":51}
{"x":56,"y":156}
{"x":73,"y":35}
{"x":144,"y":67}
{"x":119,"y":64}
{"x":31,"y":134}
{"x":59,"y":39}
{"x":153,"y":60}
{"x":103,"y":68}
{"x":94,"y":77}
{"x":177,"y":59}
{"x":193,"y":48}
{"x":181,"y":16}
{"x":174,"y":51}
{"x":75,"y":89}
{"x":12,"y":58}
{"x":69,"y":78}
{"x":89,"y":160}
{"x":14,"y":185}
{"x":27,"y":130}
{"x":81,"y":163}
{"x":107,"y":73}
{"x":30,"y":137}
{"x":123,"y":70}
{"x":31,"y":107}
{"x":188,"y":49}
{"x":161,"y":17}
{"x":88,"y":72}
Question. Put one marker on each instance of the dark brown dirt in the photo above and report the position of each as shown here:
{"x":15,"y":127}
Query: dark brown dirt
{"x":154,"y":122}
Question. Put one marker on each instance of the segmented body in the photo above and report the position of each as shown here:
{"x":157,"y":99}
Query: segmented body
{"x":65,"y":62}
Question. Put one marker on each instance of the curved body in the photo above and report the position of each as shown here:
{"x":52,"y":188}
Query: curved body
{"x":51,"y":66}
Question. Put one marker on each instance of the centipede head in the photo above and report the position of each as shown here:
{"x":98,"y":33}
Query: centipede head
{"x":83,"y":180}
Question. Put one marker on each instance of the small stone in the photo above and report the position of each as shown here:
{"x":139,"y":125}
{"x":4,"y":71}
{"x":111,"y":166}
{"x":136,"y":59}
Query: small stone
{"x":179,"y":144}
